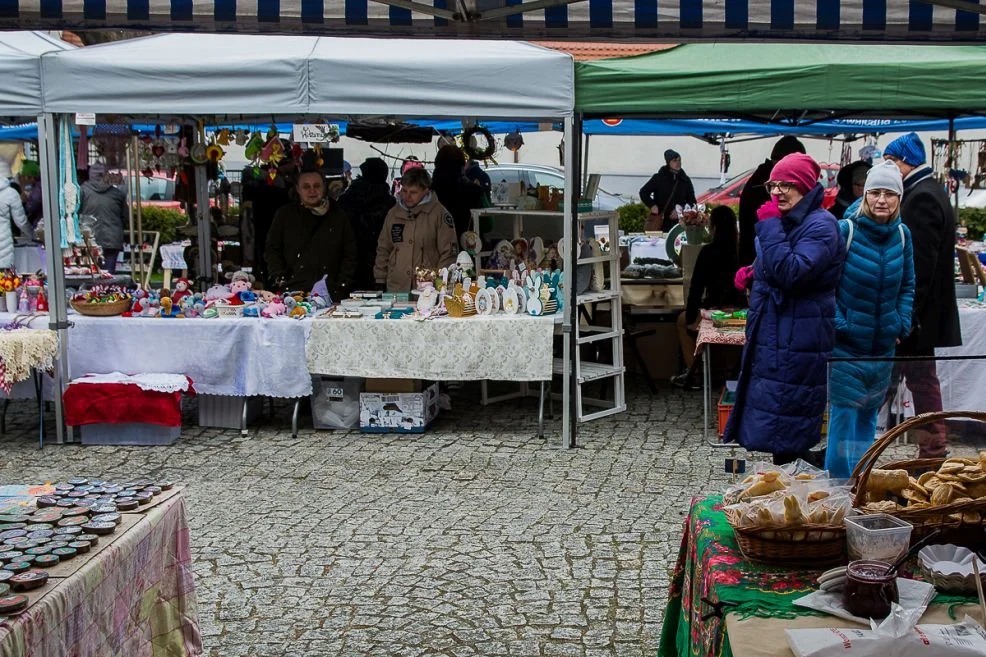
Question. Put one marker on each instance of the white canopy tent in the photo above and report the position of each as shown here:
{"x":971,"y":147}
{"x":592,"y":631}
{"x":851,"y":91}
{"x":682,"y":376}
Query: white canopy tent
{"x":225,"y":78}
{"x":20,"y":72}
{"x":229,"y":75}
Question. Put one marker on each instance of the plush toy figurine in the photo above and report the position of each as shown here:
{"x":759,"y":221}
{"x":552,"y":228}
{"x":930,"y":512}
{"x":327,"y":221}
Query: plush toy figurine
{"x":183,"y":288}
{"x":275,"y":308}
{"x":166,"y":307}
{"x":218,"y":293}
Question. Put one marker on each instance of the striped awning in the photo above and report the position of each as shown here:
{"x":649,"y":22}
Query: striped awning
{"x":867,"y":20}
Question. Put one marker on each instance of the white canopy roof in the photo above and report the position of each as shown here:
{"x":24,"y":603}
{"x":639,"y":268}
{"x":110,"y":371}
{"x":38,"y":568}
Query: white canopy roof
{"x":20,"y":71}
{"x":232,"y":75}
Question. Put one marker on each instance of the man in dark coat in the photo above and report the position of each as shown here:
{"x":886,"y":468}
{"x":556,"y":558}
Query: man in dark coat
{"x":669,"y":187}
{"x":311,"y":239}
{"x":459,"y":196}
{"x":367,"y":201}
{"x":927,"y":213}
{"x":754,"y":195}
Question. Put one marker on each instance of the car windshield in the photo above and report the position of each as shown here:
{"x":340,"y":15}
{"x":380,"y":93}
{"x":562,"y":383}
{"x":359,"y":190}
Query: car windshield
{"x":735,"y":179}
{"x":154,"y":188}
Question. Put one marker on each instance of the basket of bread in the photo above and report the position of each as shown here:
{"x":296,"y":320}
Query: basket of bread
{"x":931,"y":494}
{"x":789,"y":515}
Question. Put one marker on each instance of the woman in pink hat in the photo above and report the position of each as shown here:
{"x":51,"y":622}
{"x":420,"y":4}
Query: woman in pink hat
{"x":790,"y":331}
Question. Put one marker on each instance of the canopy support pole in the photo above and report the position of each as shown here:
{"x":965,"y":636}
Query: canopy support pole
{"x":57,"y":313}
{"x":955,"y":165}
{"x":203,"y":218}
{"x":131,"y":195}
{"x":573,"y":159}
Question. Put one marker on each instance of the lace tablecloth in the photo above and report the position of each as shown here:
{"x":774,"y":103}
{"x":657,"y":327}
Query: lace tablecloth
{"x":494,"y":347}
{"x":240,"y":357}
{"x":24,"y":349}
{"x":135,"y":598}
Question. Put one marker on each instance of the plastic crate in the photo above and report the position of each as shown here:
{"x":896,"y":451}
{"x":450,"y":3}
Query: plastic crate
{"x":128,"y":434}
{"x":726,"y":401}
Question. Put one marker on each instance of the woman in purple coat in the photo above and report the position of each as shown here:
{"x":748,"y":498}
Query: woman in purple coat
{"x":790,"y":331}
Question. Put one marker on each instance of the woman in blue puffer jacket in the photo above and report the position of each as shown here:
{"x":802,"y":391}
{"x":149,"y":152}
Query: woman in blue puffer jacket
{"x":873,"y":313}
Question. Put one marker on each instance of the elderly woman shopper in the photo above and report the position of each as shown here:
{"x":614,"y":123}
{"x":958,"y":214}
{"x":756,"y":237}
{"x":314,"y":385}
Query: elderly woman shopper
{"x":873,"y":314}
{"x":790,"y":332}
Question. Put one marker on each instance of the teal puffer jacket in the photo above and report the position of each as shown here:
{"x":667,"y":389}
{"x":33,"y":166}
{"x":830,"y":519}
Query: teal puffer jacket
{"x":873,"y":307}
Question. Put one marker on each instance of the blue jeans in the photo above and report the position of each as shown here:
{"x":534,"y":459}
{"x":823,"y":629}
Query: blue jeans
{"x":851,"y":433}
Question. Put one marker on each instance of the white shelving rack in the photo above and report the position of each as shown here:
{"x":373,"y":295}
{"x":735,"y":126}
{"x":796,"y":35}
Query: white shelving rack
{"x":609,"y":365}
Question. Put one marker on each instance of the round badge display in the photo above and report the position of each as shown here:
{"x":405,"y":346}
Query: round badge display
{"x":46,"y":560}
{"x":11,"y":604}
{"x":99,"y":528}
{"x":32,"y":579}
{"x":81,"y":547}
{"x":18,"y":567}
{"x":73,"y":522}
{"x":68,"y":531}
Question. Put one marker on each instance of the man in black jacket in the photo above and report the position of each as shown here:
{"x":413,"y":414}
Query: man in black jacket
{"x":754,"y":195}
{"x":927,"y":213}
{"x":669,"y":187}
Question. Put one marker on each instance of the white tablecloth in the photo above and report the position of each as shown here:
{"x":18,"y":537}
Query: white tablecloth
{"x":238,"y":357}
{"x":495,"y":347}
{"x":29,"y":258}
{"x":963,"y":382}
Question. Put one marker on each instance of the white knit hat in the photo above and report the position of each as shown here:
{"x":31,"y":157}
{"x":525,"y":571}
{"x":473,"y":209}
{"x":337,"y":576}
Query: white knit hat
{"x":885,"y":175}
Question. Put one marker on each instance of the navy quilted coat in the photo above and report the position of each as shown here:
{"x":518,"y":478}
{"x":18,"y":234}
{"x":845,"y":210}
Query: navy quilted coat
{"x":873,"y":308}
{"x":790,"y":331}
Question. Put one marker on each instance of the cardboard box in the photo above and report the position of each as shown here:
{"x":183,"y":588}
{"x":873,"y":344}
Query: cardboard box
{"x":398,"y":413}
{"x":394,"y":386}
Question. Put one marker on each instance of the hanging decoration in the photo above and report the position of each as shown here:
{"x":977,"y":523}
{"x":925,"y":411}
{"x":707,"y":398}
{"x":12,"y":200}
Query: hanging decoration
{"x":724,"y":160}
{"x":68,"y":194}
{"x":513,"y":141}
{"x":470,"y":143}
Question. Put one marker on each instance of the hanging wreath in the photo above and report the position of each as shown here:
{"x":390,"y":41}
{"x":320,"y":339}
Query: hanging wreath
{"x":470,"y":147}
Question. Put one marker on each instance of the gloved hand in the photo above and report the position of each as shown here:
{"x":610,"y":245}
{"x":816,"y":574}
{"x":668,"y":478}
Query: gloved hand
{"x":743,"y":278}
{"x":769,"y":210}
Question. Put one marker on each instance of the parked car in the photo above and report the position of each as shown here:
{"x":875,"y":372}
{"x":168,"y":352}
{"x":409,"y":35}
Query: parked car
{"x":537,"y":174}
{"x":728,"y":193}
{"x":158,"y":190}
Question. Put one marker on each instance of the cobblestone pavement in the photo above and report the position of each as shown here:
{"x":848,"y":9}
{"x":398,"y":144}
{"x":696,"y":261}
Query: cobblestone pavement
{"x":476,"y":538}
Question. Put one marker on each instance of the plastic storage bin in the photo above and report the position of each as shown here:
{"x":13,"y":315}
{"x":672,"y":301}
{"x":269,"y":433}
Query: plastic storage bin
{"x":335,"y":402}
{"x":137,"y":433}
{"x":877,"y":536}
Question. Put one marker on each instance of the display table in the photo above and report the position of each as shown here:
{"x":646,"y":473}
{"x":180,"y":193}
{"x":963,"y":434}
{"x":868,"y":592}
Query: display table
{"x":481,"y":347}
{"x":25,"y":353}
{"x":709,"y":335}
{"x":963,"y":382}
{"x":240,"y":357}
{"x":133,"y":598}
{"x":755,"y":601}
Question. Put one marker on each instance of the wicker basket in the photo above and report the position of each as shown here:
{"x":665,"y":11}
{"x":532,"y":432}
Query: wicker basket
{"x":925,"y":519}
{"x":229,"y":310}
{"x":804,"y":545}
{"x":102,"y":309}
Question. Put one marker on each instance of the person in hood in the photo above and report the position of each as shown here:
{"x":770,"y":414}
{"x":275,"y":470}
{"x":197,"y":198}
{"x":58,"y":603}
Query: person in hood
{"x":667,"y":188}
{"x":790,"y":326}
{"x":312,"y":239}
{"x":367,"y":202}
{"x":459,"y":196}
{"x":851,"y":181}
{"x":872,"y":314}
{"x":108,"y":205}
{"x":926,"y":212}
{"x":30,"y":180}
{"x":11,"y":210}
{"x":476,"y":175}
{"x":754,"y":195}
{"x":418,"y":232}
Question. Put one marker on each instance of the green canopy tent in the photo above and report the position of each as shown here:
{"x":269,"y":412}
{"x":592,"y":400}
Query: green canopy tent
{"x":773,"y":81}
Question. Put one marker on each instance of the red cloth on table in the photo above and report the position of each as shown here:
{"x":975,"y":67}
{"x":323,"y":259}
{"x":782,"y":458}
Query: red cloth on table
{"x":121,"y":403}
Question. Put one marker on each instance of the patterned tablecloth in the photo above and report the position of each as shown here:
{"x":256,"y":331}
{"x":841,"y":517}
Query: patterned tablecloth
{"x":22,"y":350}
{"x":136,"y":598}
{"x":494,"y":347}
{"x":711,"y":571}
{"x":709,"y":334}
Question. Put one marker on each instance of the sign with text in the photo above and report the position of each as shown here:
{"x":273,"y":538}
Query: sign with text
{"x":85,"y":118}
{"x":315,"y":133}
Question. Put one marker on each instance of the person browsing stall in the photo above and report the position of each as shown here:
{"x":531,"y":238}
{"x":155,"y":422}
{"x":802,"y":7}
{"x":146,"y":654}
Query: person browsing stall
{"x":667,"y":188}
{"x":311,"y":238}
{"x":873,"y":314}
{"x":418,"y":232}
{"x":790,"y":328}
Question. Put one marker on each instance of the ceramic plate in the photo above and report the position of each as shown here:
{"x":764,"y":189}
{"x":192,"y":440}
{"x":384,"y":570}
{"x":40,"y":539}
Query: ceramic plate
{"x":484,"y":304}
{"x":674,"y":239}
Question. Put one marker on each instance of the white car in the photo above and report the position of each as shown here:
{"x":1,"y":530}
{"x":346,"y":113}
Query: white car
{"x":537,"y":174}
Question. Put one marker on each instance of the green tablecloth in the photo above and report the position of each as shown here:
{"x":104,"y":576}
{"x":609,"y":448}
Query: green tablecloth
{"x":710,"y":566}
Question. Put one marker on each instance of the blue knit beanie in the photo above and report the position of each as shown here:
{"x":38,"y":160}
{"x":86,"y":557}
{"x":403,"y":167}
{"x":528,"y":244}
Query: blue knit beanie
{"x":908,"y":148}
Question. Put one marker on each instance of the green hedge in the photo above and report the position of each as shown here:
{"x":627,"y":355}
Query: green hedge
{"x":632,"y":217}
{"x":975,"y":220}
{"x":163,"y":220}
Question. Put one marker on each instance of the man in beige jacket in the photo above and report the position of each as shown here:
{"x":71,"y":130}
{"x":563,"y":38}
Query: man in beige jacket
{"x":418,"y":232}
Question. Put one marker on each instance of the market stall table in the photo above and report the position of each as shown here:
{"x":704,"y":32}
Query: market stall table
{"x":232,"y":357}
{"x":721,"y":605}
{"x":481,"y":347}
{"x":134,"y":597}
{"x":963,"y":382}
{"x":709,"y":335}
{"x":25,"y":353}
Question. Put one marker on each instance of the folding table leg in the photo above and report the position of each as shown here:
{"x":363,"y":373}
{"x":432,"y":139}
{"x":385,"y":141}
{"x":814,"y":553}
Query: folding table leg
{"x":294,"y":418}
{"x":541,"y":410}
{"x":36,"y":375}
{"x":3,"y":415}
{"x":243,"y":418}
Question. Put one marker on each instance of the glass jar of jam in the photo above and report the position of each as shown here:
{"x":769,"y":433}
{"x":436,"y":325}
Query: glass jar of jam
{"x":869,"y":591}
